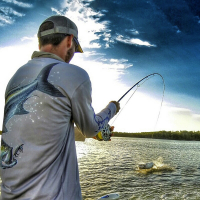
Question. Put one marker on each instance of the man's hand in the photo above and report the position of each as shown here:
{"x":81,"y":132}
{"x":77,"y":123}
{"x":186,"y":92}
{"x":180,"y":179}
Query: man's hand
{"x":117,"y":106}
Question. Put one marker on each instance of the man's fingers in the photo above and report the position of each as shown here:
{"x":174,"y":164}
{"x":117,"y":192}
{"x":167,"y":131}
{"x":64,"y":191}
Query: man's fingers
{"x":112,"y":128}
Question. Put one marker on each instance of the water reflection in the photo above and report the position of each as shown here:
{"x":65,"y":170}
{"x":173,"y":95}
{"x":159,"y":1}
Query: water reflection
{"x":111,"y":167}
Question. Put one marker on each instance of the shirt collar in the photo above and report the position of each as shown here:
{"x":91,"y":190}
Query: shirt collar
{"x":41,"y":54}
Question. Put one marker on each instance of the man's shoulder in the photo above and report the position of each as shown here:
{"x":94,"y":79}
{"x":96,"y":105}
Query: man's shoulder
{"x":67,"y":66}
{"x":74,"y":70}
{"x":61,"y":67}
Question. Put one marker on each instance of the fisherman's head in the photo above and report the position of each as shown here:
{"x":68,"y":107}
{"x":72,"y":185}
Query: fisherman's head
{"x":59,"y":35}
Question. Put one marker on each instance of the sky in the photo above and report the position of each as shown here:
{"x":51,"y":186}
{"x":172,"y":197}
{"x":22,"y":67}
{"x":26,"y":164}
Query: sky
{"x":123,"y":41}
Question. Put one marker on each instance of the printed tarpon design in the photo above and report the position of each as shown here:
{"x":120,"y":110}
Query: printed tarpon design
{"x":15,"y":100}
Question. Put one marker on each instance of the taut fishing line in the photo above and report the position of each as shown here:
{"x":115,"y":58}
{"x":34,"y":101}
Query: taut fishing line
{"x":138,"y":84}
{"x":105,"y":133}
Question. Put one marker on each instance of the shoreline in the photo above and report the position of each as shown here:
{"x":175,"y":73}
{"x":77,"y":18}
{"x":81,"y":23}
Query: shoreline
{"x":168,"y":135}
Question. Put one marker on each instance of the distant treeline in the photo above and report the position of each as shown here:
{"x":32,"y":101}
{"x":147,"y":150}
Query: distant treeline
{"x":171,"y":135}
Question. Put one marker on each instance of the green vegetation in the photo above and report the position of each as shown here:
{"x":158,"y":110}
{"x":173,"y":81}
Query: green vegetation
{"x":170,"y":135}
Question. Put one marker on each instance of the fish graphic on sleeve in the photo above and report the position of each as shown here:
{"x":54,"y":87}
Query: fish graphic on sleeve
{"x":16,"y":97}
{"x":15,"y":100}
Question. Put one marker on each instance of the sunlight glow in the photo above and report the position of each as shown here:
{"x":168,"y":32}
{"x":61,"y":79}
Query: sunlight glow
{"x":140,"y":114}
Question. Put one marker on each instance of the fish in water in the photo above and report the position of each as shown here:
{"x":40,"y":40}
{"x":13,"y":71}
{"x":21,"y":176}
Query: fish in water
{"x":146,"y":165}
{"x":155,"y":166}
{"x":16,"y":97}
{"x":15,"y":100}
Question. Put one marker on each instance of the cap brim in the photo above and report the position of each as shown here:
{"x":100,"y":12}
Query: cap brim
{"x":78,"y":49}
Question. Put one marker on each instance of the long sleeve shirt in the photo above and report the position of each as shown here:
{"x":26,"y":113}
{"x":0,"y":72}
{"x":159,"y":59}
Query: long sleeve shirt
{"x":44,"y":99}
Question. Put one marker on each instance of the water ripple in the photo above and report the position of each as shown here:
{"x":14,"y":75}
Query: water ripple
{"x":111,"y":167}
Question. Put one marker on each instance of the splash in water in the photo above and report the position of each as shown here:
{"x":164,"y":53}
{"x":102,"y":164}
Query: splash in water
{"x":153,"y":167}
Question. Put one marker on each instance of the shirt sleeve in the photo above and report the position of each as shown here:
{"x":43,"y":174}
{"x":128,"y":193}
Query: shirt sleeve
{"x":83,"y":113}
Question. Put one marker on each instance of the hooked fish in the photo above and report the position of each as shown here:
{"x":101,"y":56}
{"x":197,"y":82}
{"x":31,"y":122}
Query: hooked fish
{"x":146,"y":165}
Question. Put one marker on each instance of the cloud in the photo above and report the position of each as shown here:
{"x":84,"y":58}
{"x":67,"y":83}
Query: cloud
{"x":34,"y":38}
{"x":8,"y":15}
{"x":132,"y":31}
{"x":119,"y":63}
{"x":5,"y":20}
{"x":93,"y":53}
{"x":9,"y":11}
{"x":93,"y":32}
{"x":18,"y":3}
{"x":133,"y":41}
{"x":196,"y":116}
{"x":91,"y":29}
{"x":124,"y":16}
{"x":178,"y":118}
{"x":103,"y":63}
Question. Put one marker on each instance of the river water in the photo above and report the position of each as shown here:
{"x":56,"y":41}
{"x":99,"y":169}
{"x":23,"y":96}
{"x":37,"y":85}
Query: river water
{"x":111,"y":167}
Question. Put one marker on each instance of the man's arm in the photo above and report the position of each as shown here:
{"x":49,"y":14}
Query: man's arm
{"x":83,"y":113}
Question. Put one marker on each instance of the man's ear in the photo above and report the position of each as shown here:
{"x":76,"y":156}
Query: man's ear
{"x":69,"y":41}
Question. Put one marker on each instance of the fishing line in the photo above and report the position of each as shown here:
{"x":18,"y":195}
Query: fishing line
{"x":138,"y":84}
{"x":124,"y":105}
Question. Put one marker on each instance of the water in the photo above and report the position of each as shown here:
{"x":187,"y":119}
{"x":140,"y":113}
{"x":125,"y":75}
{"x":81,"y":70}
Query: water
{"x":111,"y":167}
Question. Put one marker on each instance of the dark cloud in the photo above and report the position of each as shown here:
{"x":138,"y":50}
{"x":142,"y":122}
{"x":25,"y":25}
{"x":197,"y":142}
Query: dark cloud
{"x":172,"y":28}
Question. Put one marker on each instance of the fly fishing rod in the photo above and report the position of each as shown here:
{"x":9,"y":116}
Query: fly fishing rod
{"x":105,"y":133}
{"x":140,"y":82}
{"x":145,"y":78}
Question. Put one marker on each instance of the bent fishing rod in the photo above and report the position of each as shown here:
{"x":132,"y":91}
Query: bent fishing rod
{"x":146,"y":77}
{"x":137,"y":84}
{"x":105,"y":134}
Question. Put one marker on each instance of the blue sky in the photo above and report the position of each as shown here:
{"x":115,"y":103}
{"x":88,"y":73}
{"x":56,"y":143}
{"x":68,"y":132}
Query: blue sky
{"x":123,"y":41}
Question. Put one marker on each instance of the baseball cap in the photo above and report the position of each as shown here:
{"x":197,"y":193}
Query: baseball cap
{"x":63,"y":25}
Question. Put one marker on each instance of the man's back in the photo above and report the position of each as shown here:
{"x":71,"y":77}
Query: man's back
{"x":43,"y":101}
{"x":39,"y":160}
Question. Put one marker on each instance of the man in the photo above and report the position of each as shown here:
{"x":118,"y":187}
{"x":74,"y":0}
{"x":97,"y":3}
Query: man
{"x":44,"y":99}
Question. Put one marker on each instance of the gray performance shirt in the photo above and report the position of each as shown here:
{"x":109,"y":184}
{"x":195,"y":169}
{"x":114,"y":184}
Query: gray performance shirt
{"x":44,"y":99}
